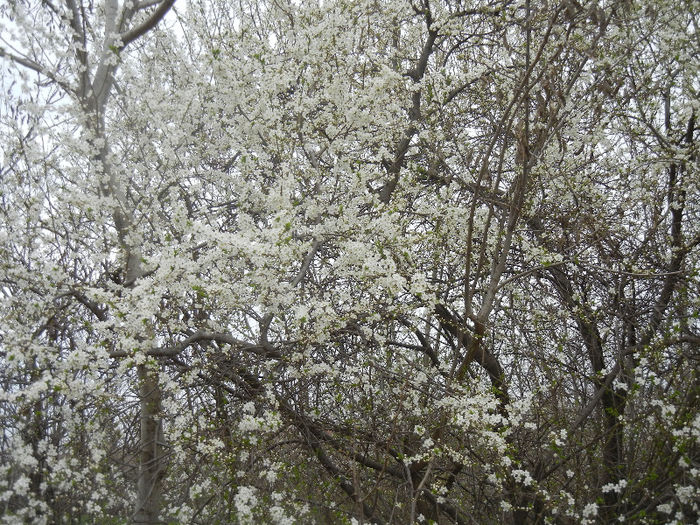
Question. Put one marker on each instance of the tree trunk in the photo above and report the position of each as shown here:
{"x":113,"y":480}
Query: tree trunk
{"x":151,"y":460}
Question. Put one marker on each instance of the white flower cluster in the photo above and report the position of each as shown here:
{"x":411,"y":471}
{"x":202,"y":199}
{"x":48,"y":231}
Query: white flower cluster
{"x":558,"y":439}
{"x":589,"y":511}
{"x":615,"y":487}
{"x":268,"y":422}
{"x":522,"y":476}
{"x":245,"y":501}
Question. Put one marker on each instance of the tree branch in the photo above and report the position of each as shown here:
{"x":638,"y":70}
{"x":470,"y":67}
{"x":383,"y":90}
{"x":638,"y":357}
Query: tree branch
{"x":149,"y":24}
{"x":34,"y":66}
{"x":265,"y":350}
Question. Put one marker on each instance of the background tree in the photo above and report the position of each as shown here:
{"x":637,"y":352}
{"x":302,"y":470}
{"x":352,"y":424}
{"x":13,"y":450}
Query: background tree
{"x":392,"y":262}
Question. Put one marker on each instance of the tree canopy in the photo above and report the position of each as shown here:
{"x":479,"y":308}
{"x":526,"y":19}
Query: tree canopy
{"x":349,"y":261}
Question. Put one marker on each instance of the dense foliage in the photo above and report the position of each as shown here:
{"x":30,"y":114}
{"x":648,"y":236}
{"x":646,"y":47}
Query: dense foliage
{"x":349,"y":261}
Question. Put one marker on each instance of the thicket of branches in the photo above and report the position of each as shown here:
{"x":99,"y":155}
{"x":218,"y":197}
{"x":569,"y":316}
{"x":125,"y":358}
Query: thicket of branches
{"x":349,"y":261}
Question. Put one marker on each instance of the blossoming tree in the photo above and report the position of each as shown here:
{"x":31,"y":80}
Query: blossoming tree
{"x":349,"y":261}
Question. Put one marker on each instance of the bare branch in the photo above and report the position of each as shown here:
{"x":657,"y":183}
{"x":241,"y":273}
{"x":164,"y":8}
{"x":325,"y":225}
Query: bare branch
{"x":205,"y":335}
{"x":149,"y":24}
{"x":34,"y":66}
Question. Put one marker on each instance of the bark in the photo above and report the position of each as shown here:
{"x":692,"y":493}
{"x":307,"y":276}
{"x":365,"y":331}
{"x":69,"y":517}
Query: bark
{"x":151,"y":451}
